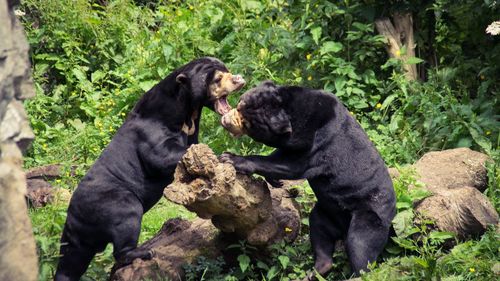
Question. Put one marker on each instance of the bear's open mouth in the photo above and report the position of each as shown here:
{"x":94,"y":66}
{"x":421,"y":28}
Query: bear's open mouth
{"x":223,"y":85}
{"x":222,"y":106}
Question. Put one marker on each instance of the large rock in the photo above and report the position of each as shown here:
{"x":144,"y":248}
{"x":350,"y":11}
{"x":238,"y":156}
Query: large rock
{"x":453,"y":168}
{"x":456,"y":178}
{"x":231,"y":207}
{"x":40,"y":191}
{"x":18,"y":260}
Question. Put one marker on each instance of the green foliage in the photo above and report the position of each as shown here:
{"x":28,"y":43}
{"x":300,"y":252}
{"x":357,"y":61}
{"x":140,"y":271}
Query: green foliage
{"x":92,"y":62}
{"x":47,"y":227}
{"x":471,"y":260}
{"x":493,"y":190}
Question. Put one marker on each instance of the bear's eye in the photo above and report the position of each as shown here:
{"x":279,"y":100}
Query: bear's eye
{"x":217,"y":79}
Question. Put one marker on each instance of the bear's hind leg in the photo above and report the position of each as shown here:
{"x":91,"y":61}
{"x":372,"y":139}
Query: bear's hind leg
{"x":324,"y":233}
{"x":74,"y":260}
{"x":365,"y":240}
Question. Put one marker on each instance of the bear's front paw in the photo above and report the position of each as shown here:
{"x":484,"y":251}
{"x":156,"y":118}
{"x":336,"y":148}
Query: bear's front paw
{"x":241,"y":164}
{"x":226,"y":157}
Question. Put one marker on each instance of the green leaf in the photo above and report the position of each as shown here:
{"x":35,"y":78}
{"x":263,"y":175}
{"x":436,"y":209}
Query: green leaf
{"x":403,"y":205}
{"x":388,"y":101}
{"x":97,"y":75}
{"x":79,"y":74}
{"x":262,"y":265}
{"x":396,"y":120}
{"x":358,"y":91}
{"x":482,"y":141}
{"x":318,"y":276}
{"x":330,"y":47}
{"x":284,"y":260}
{"x":360,"y":104}
{"x":147,"y":85}
{"x":418,"y":194}
{"x":339,"y":84}
{"x":414,"y":60}
{"x":89,"y":110}
{"x":441,"y":235}
{"x":316,"y":34}
{"x":464,"y":142}
{"x":167,"y":52}
{"x":244,"y":261}
{"x":215,"y":15}
{"x":393,"y":250}
{"x":403,"y":222}
{"x":422,"y":262}
{"x":405,"y":243}
{"x":272,"y":273}
{"x":251,"y":5}
{"x":77,"y":124}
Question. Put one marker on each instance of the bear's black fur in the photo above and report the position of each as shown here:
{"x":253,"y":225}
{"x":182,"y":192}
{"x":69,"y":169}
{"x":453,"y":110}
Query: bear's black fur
{"x":139,"y":162}
{"x":318,"y":139}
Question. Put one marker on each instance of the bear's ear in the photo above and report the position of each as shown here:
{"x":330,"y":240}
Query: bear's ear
{"x":182,"y":78}
{"x":268,"y":83}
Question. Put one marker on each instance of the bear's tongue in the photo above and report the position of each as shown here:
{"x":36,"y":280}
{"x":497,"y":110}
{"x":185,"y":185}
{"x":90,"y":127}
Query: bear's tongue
{"x":221,"y":105}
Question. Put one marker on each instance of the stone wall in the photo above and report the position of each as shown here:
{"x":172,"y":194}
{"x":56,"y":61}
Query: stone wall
{"x":18,"y":260}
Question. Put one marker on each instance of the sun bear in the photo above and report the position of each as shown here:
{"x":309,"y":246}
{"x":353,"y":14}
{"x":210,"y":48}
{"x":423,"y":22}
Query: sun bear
{"x":318,"y":139}
{"x":139,"y":162}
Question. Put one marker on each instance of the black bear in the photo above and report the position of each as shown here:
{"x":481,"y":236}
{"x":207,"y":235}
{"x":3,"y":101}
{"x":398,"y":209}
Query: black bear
{"x":139,"y":162}
{"x":318,"y":139}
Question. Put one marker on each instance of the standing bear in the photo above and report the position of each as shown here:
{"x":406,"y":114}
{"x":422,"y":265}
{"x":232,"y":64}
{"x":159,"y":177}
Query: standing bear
{"x":139,"y":162}
{"x":318,"y":139}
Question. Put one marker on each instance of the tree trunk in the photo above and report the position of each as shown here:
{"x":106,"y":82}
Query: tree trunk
{"x":400,"y":40}
{"x":231,"y":206}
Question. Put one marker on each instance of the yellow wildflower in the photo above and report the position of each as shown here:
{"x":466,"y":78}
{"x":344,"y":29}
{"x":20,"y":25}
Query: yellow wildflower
{"x":309,"y":78}
{"x":398,"y":53}
{"x":472,"y":269}
{"x":308,"y":56}
{"x":191,"y":7}
{"x":263,"y":52}
{"x":287,"y":229}
{"x":378,"y":106}
{"x":352,"y":113}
